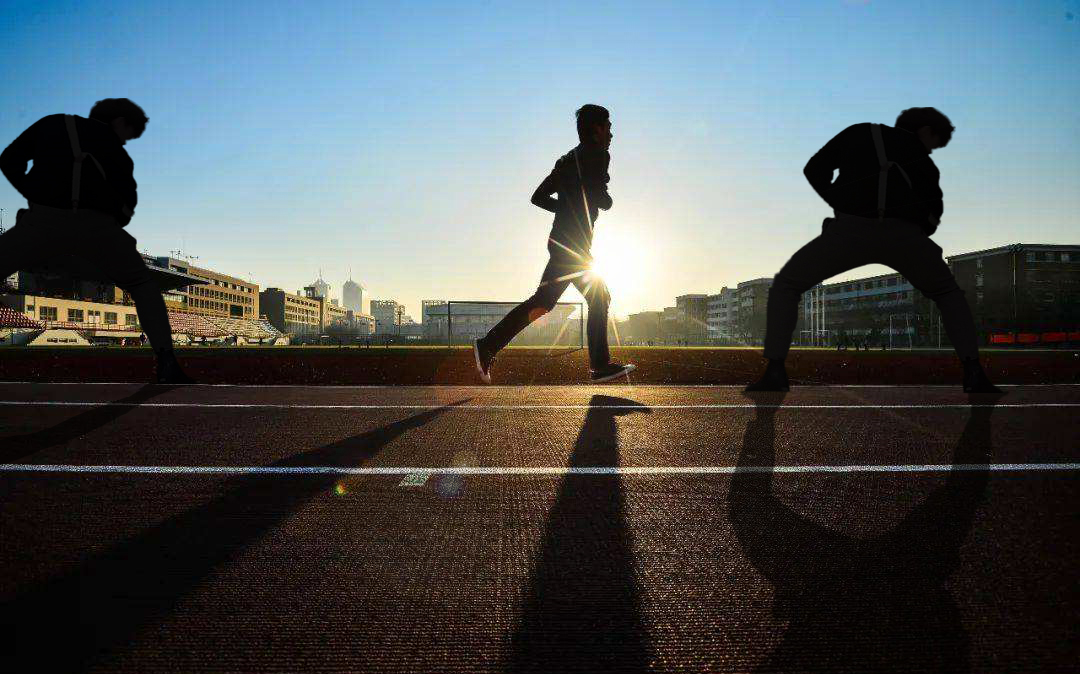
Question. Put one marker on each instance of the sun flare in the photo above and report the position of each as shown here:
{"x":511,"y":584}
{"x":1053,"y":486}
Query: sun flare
{"x":618,"y":259}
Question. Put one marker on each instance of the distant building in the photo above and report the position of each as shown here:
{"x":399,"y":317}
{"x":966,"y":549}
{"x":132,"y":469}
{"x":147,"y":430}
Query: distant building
{"x":1022,"y":288}
{"x":694,"y":310}
{"x":292,"y":314}
{"x":352,"y":296}
{"x":320,"y":288}
{"x":386,"y":314}
{"x":642,"y":327}
{"x":751,"y":298}
{"x":721,"y":314}
{"x":217,"y":295}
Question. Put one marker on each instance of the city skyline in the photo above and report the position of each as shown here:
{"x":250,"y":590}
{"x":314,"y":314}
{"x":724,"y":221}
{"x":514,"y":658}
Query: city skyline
{"x":406,"y":141}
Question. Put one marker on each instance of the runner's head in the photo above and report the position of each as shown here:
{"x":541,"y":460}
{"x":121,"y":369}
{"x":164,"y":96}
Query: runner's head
{"x":594,"y":126}
{"x":933,"y":128}
{"x":126,"y":119}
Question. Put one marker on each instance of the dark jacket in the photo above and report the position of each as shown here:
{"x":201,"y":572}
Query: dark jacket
{"x":572,"y":226}
{"x":855,"y":190}
{"x":48,"y":183}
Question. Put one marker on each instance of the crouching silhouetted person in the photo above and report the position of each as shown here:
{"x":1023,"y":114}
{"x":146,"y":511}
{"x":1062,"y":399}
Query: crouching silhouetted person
{"x":887,"y":202}
{"x":81,"y":192}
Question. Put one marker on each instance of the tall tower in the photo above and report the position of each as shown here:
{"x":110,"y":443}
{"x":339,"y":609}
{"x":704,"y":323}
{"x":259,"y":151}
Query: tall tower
{"x":322,"y":288}
{"x":352,"y":295}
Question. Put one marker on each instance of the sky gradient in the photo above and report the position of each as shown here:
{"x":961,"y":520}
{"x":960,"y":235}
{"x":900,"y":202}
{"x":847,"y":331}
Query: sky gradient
{"x":404,"y":140}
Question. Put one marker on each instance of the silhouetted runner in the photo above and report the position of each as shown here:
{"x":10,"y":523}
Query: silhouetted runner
{"x":82,"y":193}
{"x":887,"y":202}
{"x":580,"y":178}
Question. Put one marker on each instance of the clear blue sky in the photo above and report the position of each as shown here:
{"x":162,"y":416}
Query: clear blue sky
{"x":404,"y":140}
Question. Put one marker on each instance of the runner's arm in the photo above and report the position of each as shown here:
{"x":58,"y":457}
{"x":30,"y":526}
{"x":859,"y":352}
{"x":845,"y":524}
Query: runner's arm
{"x":14,"y":158}
{"x":542,"y":196}
{"x":819,"y":170}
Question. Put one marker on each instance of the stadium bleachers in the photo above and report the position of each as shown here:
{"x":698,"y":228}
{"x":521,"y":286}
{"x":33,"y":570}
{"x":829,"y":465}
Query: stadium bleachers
{"x":9,"y":318}
{"x":197,"y":325}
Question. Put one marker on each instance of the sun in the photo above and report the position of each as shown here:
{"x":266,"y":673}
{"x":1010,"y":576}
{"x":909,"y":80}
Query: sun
{"x":618,"y":259}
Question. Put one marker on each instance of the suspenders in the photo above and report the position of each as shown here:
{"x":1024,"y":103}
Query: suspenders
{"x":885,"y":165}
{"x":79,"y":155}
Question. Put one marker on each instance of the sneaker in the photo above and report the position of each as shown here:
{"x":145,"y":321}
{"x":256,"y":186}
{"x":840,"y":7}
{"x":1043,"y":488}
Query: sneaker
{"x":484,"y":360}
{"x":611,"y":371}
{"x":975,"y":379}
{"x":774,"y":379}
{"x":170,"y":372}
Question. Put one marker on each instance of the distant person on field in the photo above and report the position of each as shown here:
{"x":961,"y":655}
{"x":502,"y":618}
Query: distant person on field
{"x":886,"y":203}
{"x":81,"y":193}
{"x":580,"y":180}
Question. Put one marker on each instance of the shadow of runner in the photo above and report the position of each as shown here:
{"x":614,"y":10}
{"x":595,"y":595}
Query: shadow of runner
{"x":20,"y":446}
{"x":69,"y":623}
{"x":582,"y":611}
{"x":860,"y":605}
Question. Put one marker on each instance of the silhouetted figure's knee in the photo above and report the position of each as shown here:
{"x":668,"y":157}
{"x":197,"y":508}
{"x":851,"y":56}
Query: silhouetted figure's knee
{"x":787,"y":288}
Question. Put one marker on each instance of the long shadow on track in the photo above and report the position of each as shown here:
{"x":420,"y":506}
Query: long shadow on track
{"x":582,"y":612}
{"x":71,"y":623}
{"x":861,"y":605}
{"x":20,"y":446}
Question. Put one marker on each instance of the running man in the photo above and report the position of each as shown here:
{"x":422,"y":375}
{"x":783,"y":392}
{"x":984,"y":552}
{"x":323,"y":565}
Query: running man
{"x":81,"y":193}
{"x":887,"y":202}
{"x":580,"y":179}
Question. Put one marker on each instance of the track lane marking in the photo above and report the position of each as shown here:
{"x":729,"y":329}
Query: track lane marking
{"x":499,"y":386}
{"x":538,"y":406}
{"x":522,"y":470}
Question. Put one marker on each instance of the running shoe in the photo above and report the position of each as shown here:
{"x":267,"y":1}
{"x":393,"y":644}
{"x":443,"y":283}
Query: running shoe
{"x":611,"y":371}
{"x":484,"y":360}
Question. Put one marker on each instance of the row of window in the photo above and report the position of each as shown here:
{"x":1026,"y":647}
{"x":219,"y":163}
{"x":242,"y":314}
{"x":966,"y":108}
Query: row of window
{"x":84,"y":316}
{"x":226,"y":284}
{"x":1048,"y":256}
{"x":220,"y":295}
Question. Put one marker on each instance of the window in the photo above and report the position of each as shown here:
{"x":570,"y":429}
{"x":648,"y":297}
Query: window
{"x":1031,"y":257}
{"x":110,"y":318}
{"x":892,"y":281}
{"x":47,"y":313}
{"x":29,"y":308}
{"x":75,"y":315}
{"x":131,"y":319}
{"x":978,"y":280}
{"x":978,"y":297}
{"x":1065,"y":257}
{"x":978,"y":263}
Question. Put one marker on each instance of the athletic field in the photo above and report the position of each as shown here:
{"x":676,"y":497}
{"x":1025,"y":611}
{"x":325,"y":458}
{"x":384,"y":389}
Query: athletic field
{"x":549,"y":528}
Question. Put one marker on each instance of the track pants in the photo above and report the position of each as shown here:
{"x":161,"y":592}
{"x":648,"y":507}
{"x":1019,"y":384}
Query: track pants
{"x":42,"y":233}
{"x":563,"y":268}
{"x":849,"y":241}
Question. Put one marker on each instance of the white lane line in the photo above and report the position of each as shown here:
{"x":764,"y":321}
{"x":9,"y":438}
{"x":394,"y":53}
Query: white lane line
{"x":539,"y":406}
{"x":426,"y":472}
{"x":504,"y":386}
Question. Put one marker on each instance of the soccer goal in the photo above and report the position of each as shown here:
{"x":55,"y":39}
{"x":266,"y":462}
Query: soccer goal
{"x":459,"y":323}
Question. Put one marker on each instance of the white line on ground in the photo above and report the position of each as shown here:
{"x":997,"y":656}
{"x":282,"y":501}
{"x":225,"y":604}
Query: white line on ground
{"x":716,"y":406}
{"x":417,"y":472}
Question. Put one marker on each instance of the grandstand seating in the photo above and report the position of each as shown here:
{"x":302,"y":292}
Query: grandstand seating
{"x":198,"y":325}
{"x":9,"y":318}
{"x":194,"y":325}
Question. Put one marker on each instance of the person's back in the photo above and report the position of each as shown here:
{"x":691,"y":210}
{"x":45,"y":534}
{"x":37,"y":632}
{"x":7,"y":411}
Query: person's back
{"x":106,"y":181}
{"x":912,"y":182}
